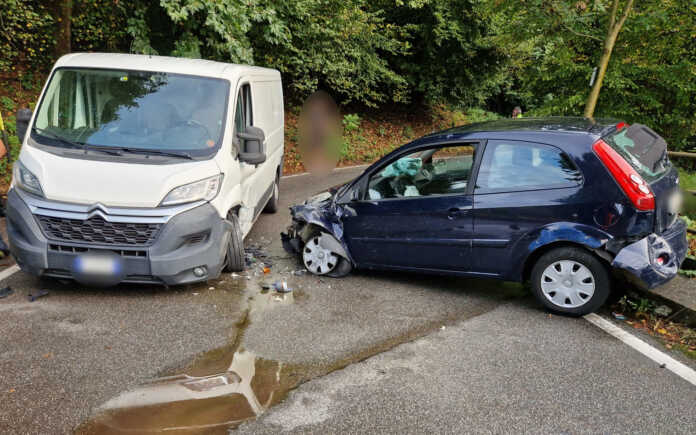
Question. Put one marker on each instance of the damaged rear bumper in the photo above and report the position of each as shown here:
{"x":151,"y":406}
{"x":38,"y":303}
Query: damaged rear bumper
{"x":655,"y":259}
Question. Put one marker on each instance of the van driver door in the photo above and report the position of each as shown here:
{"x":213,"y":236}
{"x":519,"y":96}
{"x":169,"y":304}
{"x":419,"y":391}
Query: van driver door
{"x":251,"y":189}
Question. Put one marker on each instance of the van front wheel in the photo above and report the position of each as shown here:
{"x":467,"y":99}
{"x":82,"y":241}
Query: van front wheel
{"x":235,"y":247}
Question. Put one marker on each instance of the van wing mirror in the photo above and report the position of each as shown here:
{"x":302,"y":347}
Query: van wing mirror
{"x":252,"y":147}
{"x":23,"y":117}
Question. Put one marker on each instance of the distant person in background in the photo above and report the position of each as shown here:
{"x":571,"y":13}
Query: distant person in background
{"x":516,"y":112}
{"x":4,"y":152}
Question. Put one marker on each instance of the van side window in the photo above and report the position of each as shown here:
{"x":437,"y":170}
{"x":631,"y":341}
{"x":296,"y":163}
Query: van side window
{"x":243,"y":115}
{"x":513,"y":166}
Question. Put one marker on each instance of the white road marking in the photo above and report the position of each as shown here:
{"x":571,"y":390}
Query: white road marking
{"x":9,"y":272}
{"x":342,"y":168}
{"x":636,"y":343}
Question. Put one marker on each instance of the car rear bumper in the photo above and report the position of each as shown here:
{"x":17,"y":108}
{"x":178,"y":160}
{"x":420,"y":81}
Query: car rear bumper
{"x":639,"y":260}
{"x":196,"y":238}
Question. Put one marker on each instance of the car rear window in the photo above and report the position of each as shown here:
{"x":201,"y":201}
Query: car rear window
{"x":643,"y":149}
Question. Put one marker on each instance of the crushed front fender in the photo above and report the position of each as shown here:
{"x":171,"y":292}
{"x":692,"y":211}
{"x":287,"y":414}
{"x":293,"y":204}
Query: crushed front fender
{"x":655,"y":259}
{"x":320,"y":214}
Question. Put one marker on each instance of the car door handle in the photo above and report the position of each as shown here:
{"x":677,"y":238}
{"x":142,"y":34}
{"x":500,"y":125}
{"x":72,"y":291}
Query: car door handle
{"x":455,"y":212}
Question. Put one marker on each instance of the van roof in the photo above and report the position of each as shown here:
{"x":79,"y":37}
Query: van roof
{"x":140,"y":62}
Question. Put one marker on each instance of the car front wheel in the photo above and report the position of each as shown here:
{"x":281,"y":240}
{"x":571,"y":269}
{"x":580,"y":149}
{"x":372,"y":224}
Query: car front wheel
{"x":570,"y":281}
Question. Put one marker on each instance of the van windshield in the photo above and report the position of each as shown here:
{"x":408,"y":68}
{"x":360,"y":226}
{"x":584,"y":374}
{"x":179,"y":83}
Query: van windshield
{"x":133,"y":110}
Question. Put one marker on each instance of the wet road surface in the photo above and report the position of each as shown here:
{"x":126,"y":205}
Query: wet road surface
{"x":366,"y":352}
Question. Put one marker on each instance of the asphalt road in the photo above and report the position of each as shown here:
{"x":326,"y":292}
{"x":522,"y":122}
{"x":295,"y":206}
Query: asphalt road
{"x":372,"y":352}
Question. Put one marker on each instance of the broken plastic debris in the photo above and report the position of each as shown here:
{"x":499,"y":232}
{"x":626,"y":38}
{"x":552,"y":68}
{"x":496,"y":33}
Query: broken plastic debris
{"x":39,"y":294}
{"x":281,"y":287}
{"x":299,"y":272}
{"x":618,"y":316}
{"x":5,"y":292}
{"x":663,"y":310}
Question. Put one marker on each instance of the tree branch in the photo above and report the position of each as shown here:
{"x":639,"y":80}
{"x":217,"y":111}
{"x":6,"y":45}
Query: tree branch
{"x":612,"y":16}
{"x":626,"y":11}
{"x":582,"y":34}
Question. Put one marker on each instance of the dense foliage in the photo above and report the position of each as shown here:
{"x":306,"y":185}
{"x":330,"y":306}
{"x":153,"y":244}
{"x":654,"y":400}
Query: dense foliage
{"x":492,"y":54}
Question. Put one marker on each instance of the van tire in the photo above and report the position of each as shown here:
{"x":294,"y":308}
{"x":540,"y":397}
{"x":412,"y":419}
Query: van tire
{"x":568,"y":258}
{"x":272,"y":204}
{"x":235,"y":247}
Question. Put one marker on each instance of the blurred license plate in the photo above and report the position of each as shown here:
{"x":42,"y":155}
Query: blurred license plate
{"x":98,"y":264}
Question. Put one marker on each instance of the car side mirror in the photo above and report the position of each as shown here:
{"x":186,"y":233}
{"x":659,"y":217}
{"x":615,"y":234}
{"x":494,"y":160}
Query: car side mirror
{"x":23,"y":117}
{"x":252,"y":149}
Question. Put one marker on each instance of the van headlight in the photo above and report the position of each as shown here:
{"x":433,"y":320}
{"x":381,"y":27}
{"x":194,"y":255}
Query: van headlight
{"x":26,"y":180}
{"x":205,"y":189}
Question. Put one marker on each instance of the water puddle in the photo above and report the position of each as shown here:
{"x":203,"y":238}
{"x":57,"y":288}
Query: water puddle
{"x":198,"y":404}
{"x":217,"y":391}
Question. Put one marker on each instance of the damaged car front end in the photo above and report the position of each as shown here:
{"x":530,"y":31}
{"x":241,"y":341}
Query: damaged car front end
{"x":316,"y":235}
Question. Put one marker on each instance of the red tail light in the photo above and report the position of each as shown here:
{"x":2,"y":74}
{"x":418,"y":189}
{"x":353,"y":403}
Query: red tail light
{"x":630,"y":181}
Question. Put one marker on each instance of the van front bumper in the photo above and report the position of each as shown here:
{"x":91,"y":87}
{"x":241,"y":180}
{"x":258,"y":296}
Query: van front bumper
{"x":194,"y":238}
{"x":655,"y":259}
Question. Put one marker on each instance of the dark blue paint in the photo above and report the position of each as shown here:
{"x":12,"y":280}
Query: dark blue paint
{"x":494,"y":234}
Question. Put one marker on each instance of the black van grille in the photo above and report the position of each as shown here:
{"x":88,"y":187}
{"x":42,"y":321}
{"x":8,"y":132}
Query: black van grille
{"x":97,"y":230}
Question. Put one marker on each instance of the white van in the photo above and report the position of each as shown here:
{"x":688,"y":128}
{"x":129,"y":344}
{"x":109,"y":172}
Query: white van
{"x":144,"y":169}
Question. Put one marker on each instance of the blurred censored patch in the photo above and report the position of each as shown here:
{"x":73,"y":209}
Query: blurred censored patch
{"x":320,"y":133}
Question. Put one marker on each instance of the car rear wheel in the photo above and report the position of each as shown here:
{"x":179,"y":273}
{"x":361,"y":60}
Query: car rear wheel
{"x":320,"y":260}
{"x":570,"y":281}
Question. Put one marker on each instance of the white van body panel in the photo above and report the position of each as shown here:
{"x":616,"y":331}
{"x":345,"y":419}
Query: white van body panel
{"x":122,"y":184}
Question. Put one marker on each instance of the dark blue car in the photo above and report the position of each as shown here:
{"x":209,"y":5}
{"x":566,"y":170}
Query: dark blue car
{"x":566,"y":203}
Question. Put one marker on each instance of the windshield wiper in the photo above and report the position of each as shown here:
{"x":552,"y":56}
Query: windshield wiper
{"x":102,"y":149}
{"x":181,"y":155}
{"x":59,"y":138}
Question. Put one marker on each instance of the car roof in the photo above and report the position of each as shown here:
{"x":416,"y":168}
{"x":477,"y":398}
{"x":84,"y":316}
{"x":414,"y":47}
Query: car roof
{"x":544,"y":130}
{"x":178,"y":65}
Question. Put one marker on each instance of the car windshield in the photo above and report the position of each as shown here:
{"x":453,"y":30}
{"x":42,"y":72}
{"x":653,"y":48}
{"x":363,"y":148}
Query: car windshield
{"x":132,"y":110}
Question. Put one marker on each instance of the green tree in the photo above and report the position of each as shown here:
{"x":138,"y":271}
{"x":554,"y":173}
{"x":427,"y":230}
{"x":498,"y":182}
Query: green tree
{"x":551,"y":48}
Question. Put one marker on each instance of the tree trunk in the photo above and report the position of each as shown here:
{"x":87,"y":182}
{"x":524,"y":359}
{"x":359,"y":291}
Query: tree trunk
{"x":603,"y":64}
{"x":613,"y":30}
{"x":62,"y":12}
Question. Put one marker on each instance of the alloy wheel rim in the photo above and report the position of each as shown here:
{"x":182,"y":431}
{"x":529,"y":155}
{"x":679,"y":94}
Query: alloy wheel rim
{"x":318,"y":259}
{"x":567,"y":284}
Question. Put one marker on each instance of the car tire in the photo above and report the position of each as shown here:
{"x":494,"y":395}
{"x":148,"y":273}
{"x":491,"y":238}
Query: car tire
{"x":272,"y":204}
{"x":343,"y":268}
{"x":570,"y":281}
{"x":340,"y":265}
{"x":235,"y":247}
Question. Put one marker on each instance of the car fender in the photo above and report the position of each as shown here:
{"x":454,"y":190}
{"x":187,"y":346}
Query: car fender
{"x":569,"y":232}
{"x":327,"y":221}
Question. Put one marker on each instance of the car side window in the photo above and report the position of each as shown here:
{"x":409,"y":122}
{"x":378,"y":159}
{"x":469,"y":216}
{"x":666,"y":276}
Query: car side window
{"x":436,"y":171}
{"x":512,"y":166}
{"x":243,"y":113}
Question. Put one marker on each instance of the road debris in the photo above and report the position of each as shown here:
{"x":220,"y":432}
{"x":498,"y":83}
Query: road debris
{"x":618,"y":316}
{"x":39,"y":294}
{"x":299,"y":272}
{"x":663,"y":310}
{"x":281,"y":287}
{"x":5,"y":292}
